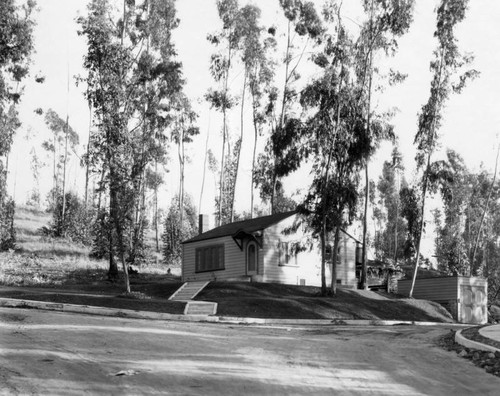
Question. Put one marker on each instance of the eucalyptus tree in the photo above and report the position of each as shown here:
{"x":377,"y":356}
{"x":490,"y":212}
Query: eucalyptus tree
{"x":132,"y":76}
{"x":454,"y":223}
{"x":411,"y":211}
{"x":16,"y":46}
{"x":63,"y":135}
{"x":221,"y":62}
{"x":36,"y":164}
{"x":303,"y":29}
{"x":183,"y":130}
{"x":473,"y":270}
{"x":176,"y":230}
{"x":334,"y":140}
{"x":255,"y":48}
{"x":466,"y":222}
{"x":154,"y":179}
{"x":446,"y":63}
{"x":387,"y":21}
{"x":388,"y":243}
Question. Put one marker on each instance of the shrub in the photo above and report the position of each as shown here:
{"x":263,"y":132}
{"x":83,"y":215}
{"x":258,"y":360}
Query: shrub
{"x":174,"y":233}
{"x":7,"y":231}
{"x":77,"y":222}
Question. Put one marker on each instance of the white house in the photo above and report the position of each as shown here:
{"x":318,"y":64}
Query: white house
{"x":265,"y":249}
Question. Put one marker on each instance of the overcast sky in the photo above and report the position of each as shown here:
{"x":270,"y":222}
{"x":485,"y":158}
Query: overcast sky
{"x":471,"y":120}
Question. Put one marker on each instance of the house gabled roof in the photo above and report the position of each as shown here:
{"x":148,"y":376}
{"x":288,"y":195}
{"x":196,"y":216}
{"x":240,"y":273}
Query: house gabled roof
{"x":245,"y":226}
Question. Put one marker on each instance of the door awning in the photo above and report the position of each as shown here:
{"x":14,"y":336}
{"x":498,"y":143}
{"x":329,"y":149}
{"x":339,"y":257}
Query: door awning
{"x":240,"y":235}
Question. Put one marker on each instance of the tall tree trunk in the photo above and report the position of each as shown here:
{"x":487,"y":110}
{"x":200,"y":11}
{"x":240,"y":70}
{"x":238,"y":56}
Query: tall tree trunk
{"x":473,"y":269}
{"x":113,"y":268}
{"x":204,"y":167}
{"x":155,"y":198}
{"x":397,"y":221}
{"x":54,"y":180}
{"x":238,"y":155}
{"x":113,"y":187}
{"x":426,"y":174}
{"x":101,"y":184}
{"x":65,"y":159}
{"x":323,"y":257}
{"x":254,"y":152}
{"x":63,"y":217}
{"x":224,"y":136}
{"x":180,"y":150}
{"x":424,"y":193}
{"x":334,"y":260}
{"x":87,"y":170}
{"x":221,"y":179}
{"x":117,"y":220}
{"x":364,"y":282}
{"x":281,"y":121}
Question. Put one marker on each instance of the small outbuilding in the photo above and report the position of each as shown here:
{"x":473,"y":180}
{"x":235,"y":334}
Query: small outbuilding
{"x":465,"y":297}
{"x":265,"y":249}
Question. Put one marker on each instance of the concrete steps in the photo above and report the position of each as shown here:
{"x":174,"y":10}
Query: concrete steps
{"x":188,"y":291}
{"x":200,"y":308}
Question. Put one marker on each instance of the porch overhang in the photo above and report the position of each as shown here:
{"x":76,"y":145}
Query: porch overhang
{"x":240,"y":235}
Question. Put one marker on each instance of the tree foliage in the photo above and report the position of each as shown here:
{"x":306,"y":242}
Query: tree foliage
{"x":132,"y":77}
{"x":446,"y":63}
{"x":63,"y":135}
{"x":391,"y":237}
{"x":77,"y":223}
{"x":281,"y":156}
{"x":387,"y":21}
{"x":175,"y":231}
{"x":16,"y":45}
{"x":227,"y":42}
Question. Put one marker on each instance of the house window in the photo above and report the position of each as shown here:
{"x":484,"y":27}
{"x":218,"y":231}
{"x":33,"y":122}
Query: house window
{"x":286,"y":256}
{"x":328,"y":252}
{"x":210,"y":258}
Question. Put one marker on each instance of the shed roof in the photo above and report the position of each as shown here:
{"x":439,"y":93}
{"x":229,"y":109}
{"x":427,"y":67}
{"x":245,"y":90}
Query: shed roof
{"x":247,"y":226}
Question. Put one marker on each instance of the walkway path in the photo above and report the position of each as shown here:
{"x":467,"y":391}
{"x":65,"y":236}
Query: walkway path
{"x":492,"y":332}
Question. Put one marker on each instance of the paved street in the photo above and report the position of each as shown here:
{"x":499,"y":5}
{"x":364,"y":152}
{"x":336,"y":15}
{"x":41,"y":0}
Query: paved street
{"x":55,"y":353}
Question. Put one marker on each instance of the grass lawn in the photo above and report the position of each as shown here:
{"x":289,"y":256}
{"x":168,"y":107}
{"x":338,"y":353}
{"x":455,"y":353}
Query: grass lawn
{"x":48,"y":269}
{"x":263,"y":300}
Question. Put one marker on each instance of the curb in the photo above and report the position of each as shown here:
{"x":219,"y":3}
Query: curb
{"x":460,"y":339}
{"x":135,"y":314}
{"x":92,"y":310}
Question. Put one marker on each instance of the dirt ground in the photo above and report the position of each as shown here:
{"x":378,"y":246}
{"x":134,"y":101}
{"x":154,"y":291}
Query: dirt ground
{"x":55,"y":353}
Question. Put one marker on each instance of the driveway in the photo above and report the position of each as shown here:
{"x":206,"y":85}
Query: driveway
{"x":45,"y":352}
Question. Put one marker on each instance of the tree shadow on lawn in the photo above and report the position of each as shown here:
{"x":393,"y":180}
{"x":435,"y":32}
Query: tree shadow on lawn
{"x":289,"y":302}
{"x":82,"y":287}
{"x":171,"y":307}
{"x":256,"y":289}
{"x":96,"y":280}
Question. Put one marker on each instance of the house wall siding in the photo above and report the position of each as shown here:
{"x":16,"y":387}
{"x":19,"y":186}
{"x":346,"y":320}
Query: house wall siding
{"x":308,"y":268}
{"x":305,"y":269}
{"x":234,"y":260}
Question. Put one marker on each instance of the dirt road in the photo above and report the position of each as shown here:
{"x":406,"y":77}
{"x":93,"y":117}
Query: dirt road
{"x":44,"y":352}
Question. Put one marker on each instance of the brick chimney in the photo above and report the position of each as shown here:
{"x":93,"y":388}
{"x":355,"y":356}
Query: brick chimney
{"x":203,"y":223}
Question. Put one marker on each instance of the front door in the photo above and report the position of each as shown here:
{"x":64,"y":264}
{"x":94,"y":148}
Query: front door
{"x":252,"y":258}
